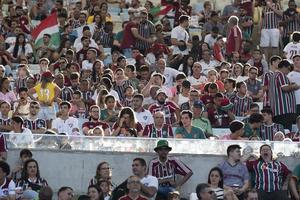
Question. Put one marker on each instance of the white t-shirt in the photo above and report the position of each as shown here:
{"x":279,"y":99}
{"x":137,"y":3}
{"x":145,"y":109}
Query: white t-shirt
{"x":150,"y":181}
{"x":208,"y":66}
{"x":27,"y":48}
{"x":65,"y":126}
{"x":198,"y":81}
{"x":87,"y":65}
{"x":291,"y":49}
{"x":24,"y":138}
{"x":144,"y":118}
{"x":78,"y":45}
{"x":179,"y":33}
{"x":170,"y":74}
{"x":294,"y":77}
{"x":210,"y":40}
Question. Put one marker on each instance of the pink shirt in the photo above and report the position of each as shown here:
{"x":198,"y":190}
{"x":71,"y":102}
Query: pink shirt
{"x":9,"y":97}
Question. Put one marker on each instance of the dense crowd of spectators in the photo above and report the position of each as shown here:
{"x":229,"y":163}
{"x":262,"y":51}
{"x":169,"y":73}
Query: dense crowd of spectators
{"x":161,"y":76}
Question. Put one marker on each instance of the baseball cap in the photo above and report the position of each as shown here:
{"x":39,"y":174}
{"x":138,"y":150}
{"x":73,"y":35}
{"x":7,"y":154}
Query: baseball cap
{"x":47,"y":74}
{"x":198,"y":104}
{"x":160,"y":91}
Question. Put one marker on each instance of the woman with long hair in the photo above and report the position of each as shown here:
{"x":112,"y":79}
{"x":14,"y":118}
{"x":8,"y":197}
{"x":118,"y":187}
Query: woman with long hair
{"x":126,"y":123}
{"x":103,"y":172}
{"x":47,"y":94}
{"x":186,"y":66}
{"x":5,"y":92}
{"x":21,"y":47}
{"x":95,"y":193}
{"x":97,"y":71}
{"x":30,"y":178}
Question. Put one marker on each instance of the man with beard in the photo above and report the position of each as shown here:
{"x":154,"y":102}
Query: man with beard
{"x":35,"y":124}
{"x":94,"y":121}
{"x":170,"y":109}
{"x":165,"y":168}
{"x":270,"y":176}
{"x":290,"y":22}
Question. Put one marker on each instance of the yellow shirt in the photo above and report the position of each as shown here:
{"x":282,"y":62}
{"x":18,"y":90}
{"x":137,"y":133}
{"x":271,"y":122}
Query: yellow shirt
{"x":90,"y":19}
{"x":45,"y":94}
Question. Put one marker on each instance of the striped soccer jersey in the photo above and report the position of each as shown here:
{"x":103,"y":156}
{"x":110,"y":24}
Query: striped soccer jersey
{"x":267,"y":132}
{"x":241,"y":104}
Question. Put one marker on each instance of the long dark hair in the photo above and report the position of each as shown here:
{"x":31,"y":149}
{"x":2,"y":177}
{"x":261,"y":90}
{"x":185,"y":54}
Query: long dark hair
{"x":99,"y":191}
{"x":95,"y":76}
{"x":24,"y":174}
{"x":221,"y":182}
{"x":185,"y":68}
{"x":98,"y":176}
{"x":2,"y":81}
{"x":17,"y":45}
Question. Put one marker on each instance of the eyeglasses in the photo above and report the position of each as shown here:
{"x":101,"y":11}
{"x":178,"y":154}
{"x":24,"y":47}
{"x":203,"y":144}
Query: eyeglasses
{"x":95,"y":111}
{"x":36,"y":107}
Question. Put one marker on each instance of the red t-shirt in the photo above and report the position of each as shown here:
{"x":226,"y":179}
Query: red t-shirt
{"x":234,"y":32}
{"x":218,"y":52}
{"x":128,"y":38}
{"x":92,"y":125}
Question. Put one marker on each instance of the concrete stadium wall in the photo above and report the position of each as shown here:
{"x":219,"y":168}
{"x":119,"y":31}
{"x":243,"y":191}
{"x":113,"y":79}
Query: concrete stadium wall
{"x":76,"y":168}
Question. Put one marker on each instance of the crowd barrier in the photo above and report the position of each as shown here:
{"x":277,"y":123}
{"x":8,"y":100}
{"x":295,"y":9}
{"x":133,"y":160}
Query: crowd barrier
{"x":75,"y":164}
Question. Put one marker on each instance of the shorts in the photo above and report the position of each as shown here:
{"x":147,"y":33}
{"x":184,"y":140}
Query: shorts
{"x":269,"y":37}
{"x":47,"y":112}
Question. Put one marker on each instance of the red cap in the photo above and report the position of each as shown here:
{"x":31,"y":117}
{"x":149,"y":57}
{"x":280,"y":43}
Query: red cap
{"x":47,"y":75}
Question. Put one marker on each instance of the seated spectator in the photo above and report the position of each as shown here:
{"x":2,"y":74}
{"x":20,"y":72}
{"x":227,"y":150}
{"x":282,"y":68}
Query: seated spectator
{"x":5,"y":120}
{"x":65,"y":193}
{"x":25,"y":154}
{"x":229,"y":85}
{"x":272,"y":188}
{"x":237,"y":131}
{"x":193,"y":96}
{"x":254,"y":108}
{"x":212,"y":77}
{"x":134,"y":186}
{"x":158,"y":129}
{"x":207,"y":62}
{"x":279,"y":136}
{"x":109,"y":113}
{"x":64,"y":123}
{"x":95,"y":193}
{"x":168,"y":72}
{"x":216,"y":181}
{"x":269,"y":128}
{"x":21,"y":47}
{"x":94,"y":121}
{"x":204,"y":192}
{"x":31,"y":179}
{"x":200,"y":120}
{"x":254,"y":86}
{"x":78,"y":107}
{"x":186,"y":130}
{"x":240,"y":100}
{"x":33,"y":122}
{"x":166,"y":181}
{"x":6,"y":94}
{"x":259,"y":62}
{"x":220,"y":115}
{"x":128,"y":96}
{"x":186,"y":66}
{"x":125,"y":122}
{"x":22,"y":106}
{"x":45,"y":193}
{"x":251,"y":194}
{"x":236,"y":175}
{"x":211,"y":38}
{"x":294,"y":182}
{"x":103,"y":172}
{"x":170,"y":109}
{"x":197,"y":78}
{"x":143,"y":116}
{"x":7,"y":185}
{"x":252,"y":128}
{"x":183,"y":94}
{"x":26,"y":137}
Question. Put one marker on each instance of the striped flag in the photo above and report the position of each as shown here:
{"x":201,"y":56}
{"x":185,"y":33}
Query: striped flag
{"x":47,"y":26}
{"x":159,"y":12}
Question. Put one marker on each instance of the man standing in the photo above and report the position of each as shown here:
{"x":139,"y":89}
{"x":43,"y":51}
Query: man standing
{"x":292,"y":48}
{"x":294,"y":77}
{"x":241,"y":101}
{"x":180,"y":37}
{"x":234,"y":36}
{"x":291,"y":21}
{"x":143,"y":116}
{"x":159,"y":129}
{"x":134,"y":186}
{"x":282,"y":96}
{"x":270,"y":175}
{"x":35,"y":124}
{"x":269,"y":40}
{"x":165,"y":168}
{"x":236,"y":176}
{"x":146,"y":29}
{"x":254,"y":86}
